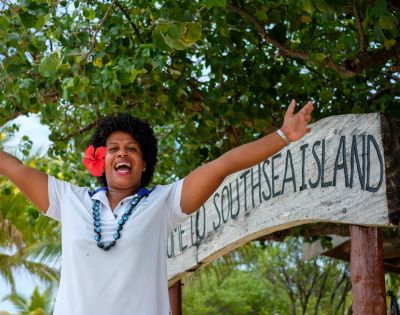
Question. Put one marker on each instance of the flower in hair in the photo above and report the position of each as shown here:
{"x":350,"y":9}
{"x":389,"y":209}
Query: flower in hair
{"x":94,"y":160}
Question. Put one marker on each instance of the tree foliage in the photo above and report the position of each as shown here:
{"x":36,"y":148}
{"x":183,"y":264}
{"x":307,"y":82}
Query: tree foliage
{"x":38,"y":304}
{"x":269,"y":279}
{"x":28,"y":240}
{"x":209,"y":74}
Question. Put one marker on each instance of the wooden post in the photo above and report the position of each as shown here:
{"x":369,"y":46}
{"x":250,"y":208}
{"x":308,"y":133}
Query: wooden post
{"x":367,"y":274}
{"x":175,"y":298}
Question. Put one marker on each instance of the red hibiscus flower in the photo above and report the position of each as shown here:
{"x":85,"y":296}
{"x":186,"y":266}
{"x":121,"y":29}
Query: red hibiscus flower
{"x":94,"y":160}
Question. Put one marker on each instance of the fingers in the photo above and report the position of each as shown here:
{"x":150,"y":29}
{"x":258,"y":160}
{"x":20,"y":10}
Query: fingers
{"x":310,"y":107}
{"x":290,"y":109}
{"x":305,"y":112}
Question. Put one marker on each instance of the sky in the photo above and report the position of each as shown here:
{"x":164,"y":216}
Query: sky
{"x":30,"y":126}
{"x":39,"y":135}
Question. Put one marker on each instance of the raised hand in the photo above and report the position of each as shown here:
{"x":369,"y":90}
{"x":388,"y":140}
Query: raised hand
{"x":295,"y":126}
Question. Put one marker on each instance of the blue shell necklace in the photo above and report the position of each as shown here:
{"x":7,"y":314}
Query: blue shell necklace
{"x":143,"y":192}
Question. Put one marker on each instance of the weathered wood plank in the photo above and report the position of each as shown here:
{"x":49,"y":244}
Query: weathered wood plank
{"x":337,"y":173}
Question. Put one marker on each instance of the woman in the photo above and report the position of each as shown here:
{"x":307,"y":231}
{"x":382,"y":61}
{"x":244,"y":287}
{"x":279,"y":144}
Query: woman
{"x":114,"y":239}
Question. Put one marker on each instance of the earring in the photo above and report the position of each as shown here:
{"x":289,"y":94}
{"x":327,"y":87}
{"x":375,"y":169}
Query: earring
{"x":144,"y":169}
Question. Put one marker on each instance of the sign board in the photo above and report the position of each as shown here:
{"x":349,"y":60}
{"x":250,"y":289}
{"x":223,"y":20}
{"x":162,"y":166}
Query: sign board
{"x":345,"y":171}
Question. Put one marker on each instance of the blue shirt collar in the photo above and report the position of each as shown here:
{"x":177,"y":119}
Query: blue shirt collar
{"x":141,"y":192}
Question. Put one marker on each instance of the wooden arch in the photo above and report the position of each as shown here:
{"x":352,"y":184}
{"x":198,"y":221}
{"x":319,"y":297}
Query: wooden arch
{"x":347,"y":170}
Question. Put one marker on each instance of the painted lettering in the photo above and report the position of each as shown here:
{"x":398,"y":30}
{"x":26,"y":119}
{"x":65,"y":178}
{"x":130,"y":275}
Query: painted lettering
{"x":293,"y":177}
{"x":316,"y":158}
{"x":303,"y":166}
{"x":368,"y":187}
{"x":216,"y":226}
{"x":355,"y":158}
{"x":274,"y":177}
{"x":256,"y":186}
{"x":341,"y":152}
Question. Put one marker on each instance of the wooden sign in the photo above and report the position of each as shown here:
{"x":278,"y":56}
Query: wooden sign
{"x":346,"y":170}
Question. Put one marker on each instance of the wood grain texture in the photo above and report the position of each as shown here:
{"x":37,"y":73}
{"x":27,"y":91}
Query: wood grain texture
{"x":367,"y":273}
{"x":336,"y":173}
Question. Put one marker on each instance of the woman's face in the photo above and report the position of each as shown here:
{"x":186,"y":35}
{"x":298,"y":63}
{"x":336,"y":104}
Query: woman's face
{"x":124,"y":163}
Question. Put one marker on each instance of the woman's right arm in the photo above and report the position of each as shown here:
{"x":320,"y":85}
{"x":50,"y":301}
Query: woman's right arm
{"x":31,"y":182}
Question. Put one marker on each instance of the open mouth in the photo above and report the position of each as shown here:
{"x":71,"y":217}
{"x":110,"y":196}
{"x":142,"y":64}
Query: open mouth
{"x":123,"y":168}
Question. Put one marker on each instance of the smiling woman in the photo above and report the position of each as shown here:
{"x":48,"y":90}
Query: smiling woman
{"x":114,"y":239}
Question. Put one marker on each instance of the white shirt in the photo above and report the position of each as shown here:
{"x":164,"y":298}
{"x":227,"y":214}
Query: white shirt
{"x":130,"y":278}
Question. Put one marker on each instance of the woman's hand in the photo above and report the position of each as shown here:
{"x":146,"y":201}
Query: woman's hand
{"x":295,"y":126}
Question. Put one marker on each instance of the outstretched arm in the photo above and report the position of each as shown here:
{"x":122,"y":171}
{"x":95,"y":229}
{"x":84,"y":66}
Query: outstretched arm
{"x":30,"y":181}
{"x":199,"y":185}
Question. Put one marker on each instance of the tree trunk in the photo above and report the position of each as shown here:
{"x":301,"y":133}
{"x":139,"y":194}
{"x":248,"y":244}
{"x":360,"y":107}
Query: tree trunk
{"x":367,"y":275}
{"x":175,"y":298}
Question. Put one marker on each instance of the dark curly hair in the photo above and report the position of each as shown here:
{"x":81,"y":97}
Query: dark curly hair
{"x":139,"y":130}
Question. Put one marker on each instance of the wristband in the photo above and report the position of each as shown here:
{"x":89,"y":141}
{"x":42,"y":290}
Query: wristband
{"x":283,"y":136}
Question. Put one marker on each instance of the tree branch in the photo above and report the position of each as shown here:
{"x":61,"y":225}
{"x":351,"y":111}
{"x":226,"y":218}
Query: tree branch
{"x":126,"y":14}
{"x":379,"y":94}
{"x":93,"y":41}
{"x":78,"y":132}
{"x":268,"y":38}
{"x":352,"y":67}
{"x":361,"y":35}
{"x":373,"y":59}
{"x":12,"y":116}
{"x":285,"y":51}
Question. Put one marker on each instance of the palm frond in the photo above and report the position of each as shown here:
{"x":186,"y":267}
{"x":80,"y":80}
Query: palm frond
{"x":6,"y":270}
{"x":42,"y":271}
{"x":9,"y":234}
{"x":18,"y":301}
{"x":46,"y":252}
{"x":11,"y":263}
{"x":38,"y":303}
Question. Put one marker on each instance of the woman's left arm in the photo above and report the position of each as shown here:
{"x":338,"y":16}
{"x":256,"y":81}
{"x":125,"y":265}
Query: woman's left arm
{"x":200,"y":184}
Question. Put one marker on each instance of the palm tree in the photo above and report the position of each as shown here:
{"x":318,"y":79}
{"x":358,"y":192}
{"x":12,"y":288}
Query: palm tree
{"x":38,"y":304}
{"x":28,"y":240}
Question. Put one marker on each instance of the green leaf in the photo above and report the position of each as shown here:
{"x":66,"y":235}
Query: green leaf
{"x":261,"y":15}
{"x":158,"y":41}
{"x":387,"y":22}
{"x":4,"y":23}
{"x":275,"y":16}
{"x":40,"y":23}
{"x":49,"y":65}
{"x":175,"y":44}
{"x":308,"y":6}
{"x":175,"y":32}
{"x":134,"y":73}
{"x":319,"y":57}
{"x":213,"y":3}
{"x":65,"y":67}
{"x":163,"y":99}
{"x":324,"y":7}
{"x":164,"y":27}
{"x":193,"y":32}
{"x":28,"y":20}
{"x":90,"y":14}
{"x":378,"y":9}
{"x":389,"y":43}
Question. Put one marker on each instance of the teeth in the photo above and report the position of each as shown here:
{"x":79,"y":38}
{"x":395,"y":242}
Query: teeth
{"x":122,"y":164}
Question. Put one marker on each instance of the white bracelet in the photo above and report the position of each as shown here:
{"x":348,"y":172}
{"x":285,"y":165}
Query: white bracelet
{"x":283,"y":136}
